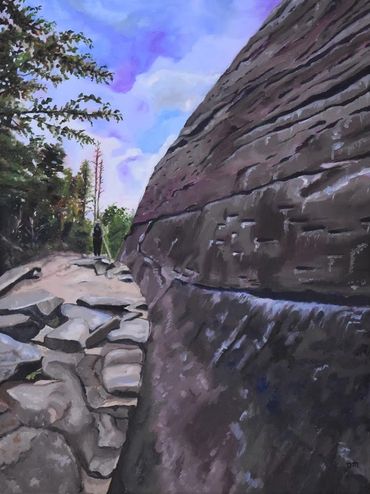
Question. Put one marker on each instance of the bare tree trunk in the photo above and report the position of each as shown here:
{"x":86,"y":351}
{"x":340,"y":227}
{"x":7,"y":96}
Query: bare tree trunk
{"x":98,"y":163}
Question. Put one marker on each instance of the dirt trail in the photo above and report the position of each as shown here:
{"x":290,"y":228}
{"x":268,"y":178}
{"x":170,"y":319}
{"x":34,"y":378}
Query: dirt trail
{"x":63,"y":279}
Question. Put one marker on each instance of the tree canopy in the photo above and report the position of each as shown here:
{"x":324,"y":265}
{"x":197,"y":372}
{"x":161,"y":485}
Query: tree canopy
{"x":33,"y":56}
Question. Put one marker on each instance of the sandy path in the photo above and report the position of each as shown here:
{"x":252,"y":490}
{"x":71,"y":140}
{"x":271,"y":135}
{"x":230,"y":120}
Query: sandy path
{"x":61,"y":278}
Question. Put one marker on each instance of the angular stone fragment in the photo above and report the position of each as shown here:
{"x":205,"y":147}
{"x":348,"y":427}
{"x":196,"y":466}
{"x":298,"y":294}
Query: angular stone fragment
{"x":119,"y":270}
{"x":99,"y":399}
{"x":15,"y":355}
{"x":13,"y":276}
{"x":124,"y":378}
{"x":124,"y":356}
{"x":101,"y":332}
{"x":110,"y":436}
{"x":131,"y":315}
{"x":19,"y":326}
{"x":69,"y":337}
{"x":36,"y":461}
{"x":118,"y":302}
{"x":41,"y":300}
{"x":40,"y":337}
{"x":94,"y":318}
{"x":101,"y":266}
{"x":136,"y":331}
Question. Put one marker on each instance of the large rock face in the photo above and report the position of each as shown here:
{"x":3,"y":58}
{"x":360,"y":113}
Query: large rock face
{"x":251,"y":245}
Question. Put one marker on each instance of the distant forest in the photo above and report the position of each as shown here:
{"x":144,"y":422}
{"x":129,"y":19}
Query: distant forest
{"x":43,"y":204}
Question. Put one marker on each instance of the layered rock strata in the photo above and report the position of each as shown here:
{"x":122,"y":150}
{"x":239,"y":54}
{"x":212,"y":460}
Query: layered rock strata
{"x":252,"y":247}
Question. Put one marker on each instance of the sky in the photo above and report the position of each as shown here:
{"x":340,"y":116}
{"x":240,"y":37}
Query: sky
{"x":166,"y":55}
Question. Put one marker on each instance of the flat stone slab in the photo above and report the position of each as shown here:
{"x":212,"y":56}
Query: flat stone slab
{"x":14,"y":355}
{"x":40,"y":337}
{"x":136,"y":330}
{"x":124,"y":356}
{"x":124,"y":378}
{"x":19,"y":326}
{"x":69,"y":337}
{"x":119,"y":270}
{"x":104,"y":302}
{"x":88,"y":262}
{"x":13,"y":276}
{"x":102,"y":331}
{"x":42,"y":300}
{"x":94,"y":318}
{"x":99,"y":399}
{"x":106,"y":347}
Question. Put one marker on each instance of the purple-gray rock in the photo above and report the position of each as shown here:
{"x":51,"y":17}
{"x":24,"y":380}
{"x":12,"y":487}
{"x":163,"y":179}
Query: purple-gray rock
{"x":252,"y":247}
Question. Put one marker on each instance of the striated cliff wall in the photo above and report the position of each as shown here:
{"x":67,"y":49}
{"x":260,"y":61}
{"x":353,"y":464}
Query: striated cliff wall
{"x":251,"y":245}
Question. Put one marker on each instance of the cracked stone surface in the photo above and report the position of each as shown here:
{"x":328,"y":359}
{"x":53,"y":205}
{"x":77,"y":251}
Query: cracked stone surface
{"x":58,"y":423}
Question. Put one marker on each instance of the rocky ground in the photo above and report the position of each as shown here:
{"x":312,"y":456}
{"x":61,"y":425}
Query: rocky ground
{"x":72,"y":336}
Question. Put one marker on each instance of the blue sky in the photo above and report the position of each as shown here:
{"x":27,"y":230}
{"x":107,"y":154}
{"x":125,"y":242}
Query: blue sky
{"x":166,"y":55}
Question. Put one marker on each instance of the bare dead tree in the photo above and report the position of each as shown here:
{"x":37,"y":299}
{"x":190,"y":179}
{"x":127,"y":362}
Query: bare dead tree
{"x":100,"y":184}
{"x":98,"y":179}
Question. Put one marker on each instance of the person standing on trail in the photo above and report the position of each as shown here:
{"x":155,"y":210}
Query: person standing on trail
{"x":97,"y":238}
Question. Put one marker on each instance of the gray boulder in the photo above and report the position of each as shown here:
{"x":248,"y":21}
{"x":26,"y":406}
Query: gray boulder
{"x":16,"y":357}
{"x":69,"y":337}
{"x":124,"y":356}
{"x":36,"y":461}
{"x":136,"y":331}
{"x":122,"y":378}
{"x":117,"y":302}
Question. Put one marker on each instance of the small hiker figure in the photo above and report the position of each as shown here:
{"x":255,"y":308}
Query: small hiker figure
{"x":97,"y":238}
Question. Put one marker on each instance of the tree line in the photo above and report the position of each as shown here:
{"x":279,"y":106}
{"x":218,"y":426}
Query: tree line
{"x":43,"y":204}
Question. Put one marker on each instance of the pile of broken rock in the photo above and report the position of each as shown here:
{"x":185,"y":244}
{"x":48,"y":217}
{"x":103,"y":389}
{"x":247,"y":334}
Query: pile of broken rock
{"x":69,"y":380}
